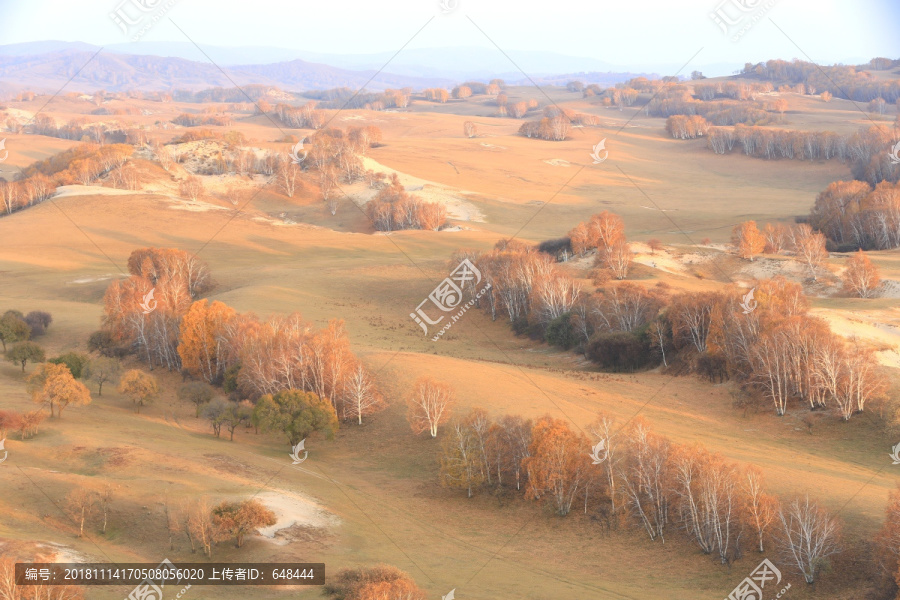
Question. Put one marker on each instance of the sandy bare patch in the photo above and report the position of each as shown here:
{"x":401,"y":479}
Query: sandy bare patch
{"x":458,"y":208}
{"x":64,"y":554}
{"x":765,"y":268}
{"x":493,"y":146}
{"x":93,"y":279}
{"x":558,"y":162}
{"x":293,"y":510}
{"x":889,"y":289}
{"x":197,"y":206}
{"x":865,"y":328}
{"x":92,"y":190}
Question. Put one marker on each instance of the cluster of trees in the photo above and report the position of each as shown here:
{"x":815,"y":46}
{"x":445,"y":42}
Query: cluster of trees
{"x":206,"y":525}
{"x":254,"y":91}
{"x":854,"y":214}
{"x":257,"y":358}
{"x":82,"y":164}
{"x":298,"y":117}
{"x":776,"y":351}
{"x":887,"y":541}
{"x":436,"y":95}
{"x":27,"y":423}
{"x":861,"y":276}
{"x":189,"y":120}
{"x":605,"y":234}
{"x":143,"y":312}
{"x":808,"y":245}
{"x":85,"y":505}
{"x":554,"y":128}
{"x":678,"y":100}
{"x":640,"y":476}
{"x":393,"y":209}
{"x":527,"y":286}
{"x":80,"y":129}
{"x":682,"y":127}
{"x":842,"y":81}
{"x":736,"y":90}
{"x":18,"y":327}
{"x":215,"y":344}
{"x":337,"y":98}
{"x":763,"y":142}
{"x":869,"y":153}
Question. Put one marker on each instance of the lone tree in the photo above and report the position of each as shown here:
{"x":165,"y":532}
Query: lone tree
{"x":469,"y":129}
{"x":197,"y":393}
{"x":75,"y":361}
{"x":809,"y":536}
{"x":810,"y":248}
{"x":39,"y":321}
{"x":54,"y":386}
{"x":102,"y":370}
{"x":141,"y":387}
{"x":429,"y":405}
{"x":215,"y":412}
{"x":192,"y":187}
{"x":861,"y":277}
{"x":237,"y":519}
{"x":25,"y":352}
{"x":748,"y":240}
{"x":296,"y":414}
{"x":13,"y":329}
{"x":361,"y":397}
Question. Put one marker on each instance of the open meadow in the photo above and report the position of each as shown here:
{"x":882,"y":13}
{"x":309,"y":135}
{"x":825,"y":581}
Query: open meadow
{"x":246,"y":267}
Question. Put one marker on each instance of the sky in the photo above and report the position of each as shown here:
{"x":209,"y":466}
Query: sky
{"x":621,"y":32}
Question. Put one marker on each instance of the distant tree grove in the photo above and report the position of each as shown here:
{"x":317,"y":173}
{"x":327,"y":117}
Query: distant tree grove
{"x":629,"y":474}
{"x":213,"y":343}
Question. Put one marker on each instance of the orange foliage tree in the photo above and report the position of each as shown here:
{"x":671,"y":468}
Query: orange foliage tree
{"x":861,"y":276}
{"x":748,"y":240}
{"x":381,"y":582}
{"x":141,"y":387}
{"x":53,"y":385}
{"x":558,"y":464}
{"x":202,"y":343}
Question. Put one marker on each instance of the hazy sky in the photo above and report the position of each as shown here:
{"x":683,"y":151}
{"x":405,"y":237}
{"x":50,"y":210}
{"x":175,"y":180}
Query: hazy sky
{"x":621,"y":32}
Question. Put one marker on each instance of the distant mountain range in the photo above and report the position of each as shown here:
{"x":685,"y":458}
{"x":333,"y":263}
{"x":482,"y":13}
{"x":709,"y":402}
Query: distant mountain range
{"x":161,"y":66}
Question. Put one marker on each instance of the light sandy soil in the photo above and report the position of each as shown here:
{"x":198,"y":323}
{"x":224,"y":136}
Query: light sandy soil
{"x":293,"y":510}
{"x":458,"y":207}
